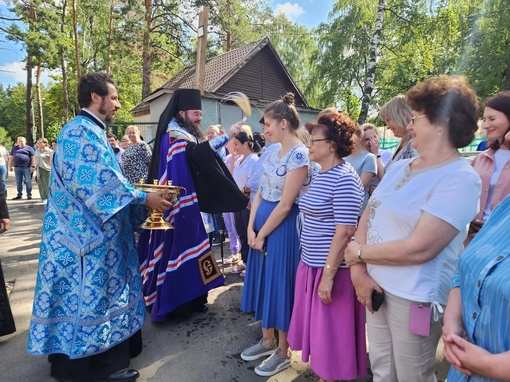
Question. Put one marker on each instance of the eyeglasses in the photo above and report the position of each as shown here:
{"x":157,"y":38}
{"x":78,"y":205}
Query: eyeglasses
{"x":196,"y":114}
{"x":312,"y":141}
{"x":417,"y":117}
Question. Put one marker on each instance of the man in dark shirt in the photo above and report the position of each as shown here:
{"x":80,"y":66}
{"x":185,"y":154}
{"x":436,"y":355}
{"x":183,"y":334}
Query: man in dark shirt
{"x":6,"y":320}
{"x":22,"y":161}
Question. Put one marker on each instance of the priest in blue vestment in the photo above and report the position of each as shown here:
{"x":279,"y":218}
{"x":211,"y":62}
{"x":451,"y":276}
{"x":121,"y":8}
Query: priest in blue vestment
{"x":88,"y":305}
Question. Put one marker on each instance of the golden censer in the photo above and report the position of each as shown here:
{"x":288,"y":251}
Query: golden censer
{"x":156,"y":219}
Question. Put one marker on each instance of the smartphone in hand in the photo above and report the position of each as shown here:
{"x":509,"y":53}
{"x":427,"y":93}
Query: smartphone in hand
{"x":475,"y":226}
{"x":377,"y":300}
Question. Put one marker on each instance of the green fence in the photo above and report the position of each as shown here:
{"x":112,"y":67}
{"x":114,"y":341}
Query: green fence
{"x":118,"y":129}
{"x":391,"y":144}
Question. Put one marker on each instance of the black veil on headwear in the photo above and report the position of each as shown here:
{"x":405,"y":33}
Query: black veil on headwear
{"x":182,"y":100}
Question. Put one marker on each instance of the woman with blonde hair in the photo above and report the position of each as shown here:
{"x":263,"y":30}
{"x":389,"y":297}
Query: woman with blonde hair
{"x":136,"y":158}
{"x":43,"y":158}
{"x":397,"y":115}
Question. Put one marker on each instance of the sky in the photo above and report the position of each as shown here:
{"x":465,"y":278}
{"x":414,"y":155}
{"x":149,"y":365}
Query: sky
{"x":307,"y":12}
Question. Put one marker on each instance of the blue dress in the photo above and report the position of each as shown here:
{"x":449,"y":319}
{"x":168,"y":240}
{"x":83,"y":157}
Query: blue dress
{"x":88,"y":295}
{"x":270,"y":279}
{"x":483,"y":277}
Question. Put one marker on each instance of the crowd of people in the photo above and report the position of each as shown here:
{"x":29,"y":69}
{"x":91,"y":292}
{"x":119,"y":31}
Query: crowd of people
{"x":340,"y":242}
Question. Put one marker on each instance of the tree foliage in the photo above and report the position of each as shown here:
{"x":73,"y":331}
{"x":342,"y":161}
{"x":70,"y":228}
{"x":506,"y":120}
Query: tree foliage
{"x":145,"y":43}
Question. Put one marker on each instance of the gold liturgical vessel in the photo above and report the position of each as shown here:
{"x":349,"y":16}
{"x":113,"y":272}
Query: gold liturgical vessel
{"x":156,"y":219}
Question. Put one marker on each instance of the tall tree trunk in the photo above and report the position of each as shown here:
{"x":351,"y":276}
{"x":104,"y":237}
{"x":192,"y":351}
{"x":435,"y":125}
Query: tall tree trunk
{"x":65,"y":93}
{"x":110,"y":33}
{"x":93,"y":43}
{"x":372,"y":64}
{"x":29,"y":115}
{"x":229,"y":41}
{"x":40,"y":113}
{"x":63,"y":67}
{"x":146,"y":53}
{"x":29,"y":126}
{"x":507,"y":77}
{"x":76,"y":42}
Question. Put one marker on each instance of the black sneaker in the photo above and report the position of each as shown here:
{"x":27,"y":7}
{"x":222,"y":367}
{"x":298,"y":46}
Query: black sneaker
{"x":29,"y":198}
{"x":16,"y":198}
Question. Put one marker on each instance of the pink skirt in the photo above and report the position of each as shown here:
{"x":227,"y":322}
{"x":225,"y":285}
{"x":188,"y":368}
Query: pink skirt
{"x":332,"y":336}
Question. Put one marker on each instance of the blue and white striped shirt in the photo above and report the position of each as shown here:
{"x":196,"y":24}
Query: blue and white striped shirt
{"x":483,"y":274}
{"x":334,"y":197}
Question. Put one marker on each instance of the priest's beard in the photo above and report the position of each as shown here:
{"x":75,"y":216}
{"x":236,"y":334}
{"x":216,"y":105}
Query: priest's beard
{"x":188,"y":125}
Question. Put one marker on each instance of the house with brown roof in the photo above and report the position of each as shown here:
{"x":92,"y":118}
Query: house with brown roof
{"x":254,"y":69}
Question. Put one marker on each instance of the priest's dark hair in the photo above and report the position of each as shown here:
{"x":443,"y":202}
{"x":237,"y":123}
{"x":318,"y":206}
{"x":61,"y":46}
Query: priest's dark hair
{"x":93,"y":83}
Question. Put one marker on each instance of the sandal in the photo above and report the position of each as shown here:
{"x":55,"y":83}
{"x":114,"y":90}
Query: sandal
{"x":238,"y":268}
{"x":233,"y":259}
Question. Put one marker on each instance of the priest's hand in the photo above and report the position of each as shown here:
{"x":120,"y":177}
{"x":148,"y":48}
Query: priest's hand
{"x":157,"y":201}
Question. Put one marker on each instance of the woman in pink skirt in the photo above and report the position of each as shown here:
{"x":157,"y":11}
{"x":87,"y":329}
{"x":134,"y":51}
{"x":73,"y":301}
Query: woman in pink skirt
{"x":328,"y":323}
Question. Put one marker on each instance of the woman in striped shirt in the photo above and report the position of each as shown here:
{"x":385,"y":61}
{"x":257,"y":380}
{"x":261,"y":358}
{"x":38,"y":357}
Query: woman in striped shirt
{"x":328,"y":323}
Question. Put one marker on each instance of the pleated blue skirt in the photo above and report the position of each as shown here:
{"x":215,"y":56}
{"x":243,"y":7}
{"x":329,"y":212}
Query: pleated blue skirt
{"x":270,"y":279}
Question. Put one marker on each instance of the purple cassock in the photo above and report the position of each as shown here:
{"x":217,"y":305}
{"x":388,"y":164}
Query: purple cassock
{"x":177,"y":265}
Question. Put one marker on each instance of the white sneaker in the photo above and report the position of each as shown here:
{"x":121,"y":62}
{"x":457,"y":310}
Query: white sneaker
{"x":273,"y":364}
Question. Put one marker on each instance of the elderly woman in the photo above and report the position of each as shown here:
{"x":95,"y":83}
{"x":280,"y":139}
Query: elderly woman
{"x":412,"y":232}
{"x":364,"y":162}
{"x":43,"y":158}
{"x":136,"y":158}
{"x":397,"y":115}
{"x":124,"y":142}
{"x":328,"y":323}
{"x":475,"y":329}
{"x":493,"y":165}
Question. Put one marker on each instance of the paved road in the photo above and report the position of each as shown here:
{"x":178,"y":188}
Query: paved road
{"x":204,"y":348}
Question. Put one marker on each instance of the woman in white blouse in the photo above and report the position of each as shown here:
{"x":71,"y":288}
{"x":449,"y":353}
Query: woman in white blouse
{"x":411,"y":234}
{"x":245,"y":149}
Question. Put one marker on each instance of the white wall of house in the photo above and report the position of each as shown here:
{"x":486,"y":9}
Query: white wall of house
{"x":215,"y":112}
